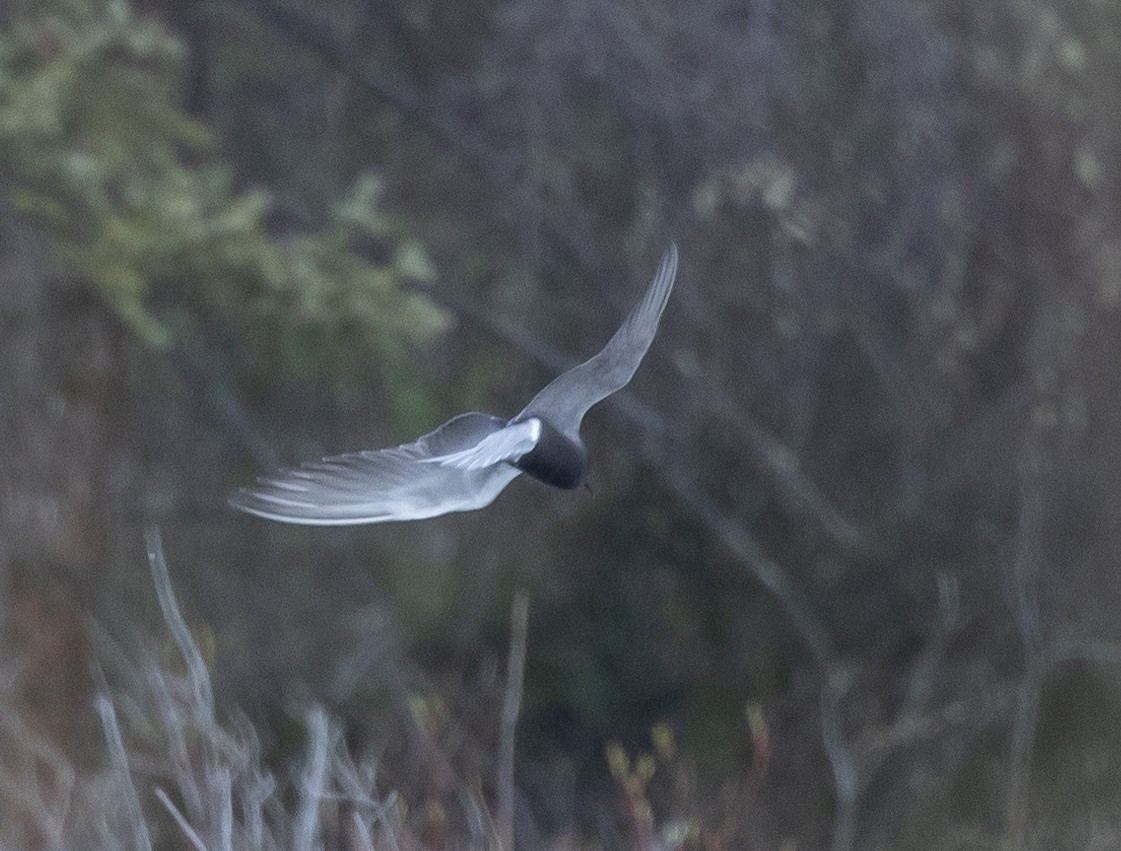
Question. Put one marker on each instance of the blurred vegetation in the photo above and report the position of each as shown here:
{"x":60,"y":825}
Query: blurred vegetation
{"x":136,"y":196}
{"x":865,"y":484}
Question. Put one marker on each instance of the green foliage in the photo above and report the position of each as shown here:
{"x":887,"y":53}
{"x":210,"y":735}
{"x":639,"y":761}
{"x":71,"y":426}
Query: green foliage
{"x":137,"y":200}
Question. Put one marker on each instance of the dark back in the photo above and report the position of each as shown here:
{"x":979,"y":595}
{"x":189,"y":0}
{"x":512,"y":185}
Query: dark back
{"x":555,"y":460}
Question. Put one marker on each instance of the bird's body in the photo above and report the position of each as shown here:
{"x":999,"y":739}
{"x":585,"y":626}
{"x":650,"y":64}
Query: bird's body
{"x":466,"y":462}
{"x":556,"y":459}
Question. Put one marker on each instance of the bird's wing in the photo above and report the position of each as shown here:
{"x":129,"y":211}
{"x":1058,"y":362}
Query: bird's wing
{"x":460,"y":432}
{"x":506,"y":444}
{"x":383,"y":485}
{"x":568,"y":397}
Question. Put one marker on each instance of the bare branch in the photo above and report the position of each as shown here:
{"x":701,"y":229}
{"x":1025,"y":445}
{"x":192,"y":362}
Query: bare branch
{"x":161,"y":578}
{"x":846,"y":777}
{"x":119,"y":758}
{"x":511,"y":705}
{"x":1025,"y":570}
{"x":437,"y":118}
{"x":188,"y":832}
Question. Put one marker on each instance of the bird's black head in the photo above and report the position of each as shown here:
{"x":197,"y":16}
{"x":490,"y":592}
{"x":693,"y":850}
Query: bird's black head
{"x":556,"y":460}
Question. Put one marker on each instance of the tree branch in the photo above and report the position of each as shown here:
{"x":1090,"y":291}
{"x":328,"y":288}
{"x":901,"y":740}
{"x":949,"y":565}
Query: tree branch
{"x":511,"y":705}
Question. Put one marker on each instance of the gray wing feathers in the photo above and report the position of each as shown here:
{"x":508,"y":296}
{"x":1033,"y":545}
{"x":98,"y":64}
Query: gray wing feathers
{"x":565,"y":401}
{"x":507,"y":444}
{"x":361,"y":487}
{"x":382,"y":485}
{"x":460,"y":432}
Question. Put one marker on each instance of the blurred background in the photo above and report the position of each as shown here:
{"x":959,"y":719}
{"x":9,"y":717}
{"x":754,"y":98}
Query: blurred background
{"x":848,"y":571}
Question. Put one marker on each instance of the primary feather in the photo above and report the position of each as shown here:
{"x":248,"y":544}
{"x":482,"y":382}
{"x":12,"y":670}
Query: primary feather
{"x":385,"y":484}
{"x":566,"y":399}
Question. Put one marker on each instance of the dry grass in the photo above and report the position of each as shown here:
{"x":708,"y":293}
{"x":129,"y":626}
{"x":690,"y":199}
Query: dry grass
{"x":172,"y":774}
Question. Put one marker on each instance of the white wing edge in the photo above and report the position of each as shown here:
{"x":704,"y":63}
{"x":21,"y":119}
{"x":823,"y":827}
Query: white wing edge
{"x":301,"y":520}
{"x":506,"y":444}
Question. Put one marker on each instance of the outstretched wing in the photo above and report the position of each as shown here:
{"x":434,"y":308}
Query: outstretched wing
{"x":401,"y":483}
{"x":568,"y":397}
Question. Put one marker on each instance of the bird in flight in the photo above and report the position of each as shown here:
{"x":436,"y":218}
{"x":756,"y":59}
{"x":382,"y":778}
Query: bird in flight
{"x":465,"y":463}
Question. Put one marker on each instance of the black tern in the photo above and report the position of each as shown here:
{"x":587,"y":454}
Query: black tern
{"x":465,"y":463}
